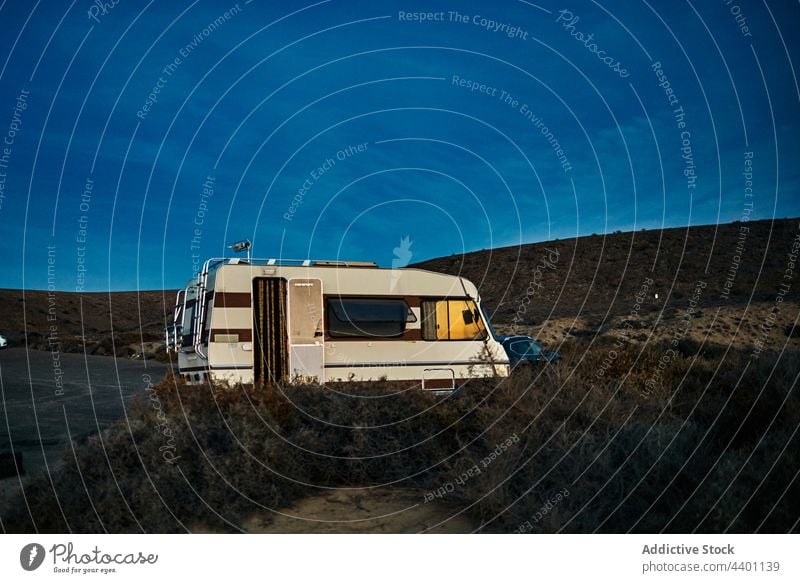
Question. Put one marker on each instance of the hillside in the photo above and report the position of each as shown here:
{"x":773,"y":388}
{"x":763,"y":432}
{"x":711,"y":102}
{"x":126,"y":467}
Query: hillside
{"x":637,"y":436}
{"x":136,"y":320}
{"x":589,"y":285}
{"x":555,"y":291}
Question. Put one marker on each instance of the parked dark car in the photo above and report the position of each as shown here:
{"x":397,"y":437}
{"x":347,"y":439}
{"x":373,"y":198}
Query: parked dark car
{"x":524,"y":349}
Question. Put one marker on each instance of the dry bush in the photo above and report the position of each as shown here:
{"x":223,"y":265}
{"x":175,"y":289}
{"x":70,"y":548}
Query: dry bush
{"x":714,"y":448}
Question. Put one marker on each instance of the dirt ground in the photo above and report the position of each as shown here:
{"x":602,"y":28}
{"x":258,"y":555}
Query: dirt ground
{"x":735,"y":325}
{"x":376,"y":510}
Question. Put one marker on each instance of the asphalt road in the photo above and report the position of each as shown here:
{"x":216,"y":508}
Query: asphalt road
{"x":45,"y":402}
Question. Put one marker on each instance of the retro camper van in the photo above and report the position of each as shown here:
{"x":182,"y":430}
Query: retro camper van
{"x":278,"y":320}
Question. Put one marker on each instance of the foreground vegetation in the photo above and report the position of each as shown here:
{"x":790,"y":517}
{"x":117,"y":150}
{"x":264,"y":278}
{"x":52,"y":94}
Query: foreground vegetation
{"x":609,"y":439}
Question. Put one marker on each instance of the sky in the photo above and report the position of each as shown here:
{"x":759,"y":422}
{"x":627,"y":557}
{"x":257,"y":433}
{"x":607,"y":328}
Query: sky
{"x":139,"y":139}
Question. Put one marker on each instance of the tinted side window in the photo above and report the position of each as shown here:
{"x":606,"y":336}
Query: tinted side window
{"x":525,"y":348}
{"x":366,"y":317}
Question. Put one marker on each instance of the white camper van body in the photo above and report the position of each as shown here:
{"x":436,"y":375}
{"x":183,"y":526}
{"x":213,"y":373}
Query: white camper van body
{"x":246,"y":321}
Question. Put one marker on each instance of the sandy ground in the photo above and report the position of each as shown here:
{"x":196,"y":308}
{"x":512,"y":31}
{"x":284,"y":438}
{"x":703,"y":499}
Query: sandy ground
{"x":376,"y":510}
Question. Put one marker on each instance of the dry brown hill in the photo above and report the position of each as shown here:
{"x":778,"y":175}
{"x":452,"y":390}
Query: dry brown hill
{"x":554,"y":290}
{"x":121,"y":323}
{"x":585,"y":285}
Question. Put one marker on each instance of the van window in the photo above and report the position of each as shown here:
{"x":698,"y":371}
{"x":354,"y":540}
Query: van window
{"x":452,"y":320}
{"x":187,"y":325}
{"x":207,"y":317}
{"x":367,"y":317}
{"x":305,"y":311}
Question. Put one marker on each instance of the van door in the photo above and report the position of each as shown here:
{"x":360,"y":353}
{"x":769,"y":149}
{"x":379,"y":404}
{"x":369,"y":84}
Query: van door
{"x":306,"y":333}
{"x":269,"y":330}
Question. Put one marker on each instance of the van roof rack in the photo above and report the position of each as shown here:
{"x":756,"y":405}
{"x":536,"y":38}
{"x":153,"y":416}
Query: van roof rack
{"x":301,"y":262}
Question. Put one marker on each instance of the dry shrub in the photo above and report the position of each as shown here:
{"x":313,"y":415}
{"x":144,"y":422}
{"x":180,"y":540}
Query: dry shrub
{"x":713,"y":449}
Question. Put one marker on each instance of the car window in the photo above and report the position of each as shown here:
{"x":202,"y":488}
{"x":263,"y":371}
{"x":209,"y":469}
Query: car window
{"x":525,"y":348}
{"x":517,"y":348}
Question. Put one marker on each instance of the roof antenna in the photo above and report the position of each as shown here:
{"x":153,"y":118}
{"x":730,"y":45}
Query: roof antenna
{"x":240,"y":246}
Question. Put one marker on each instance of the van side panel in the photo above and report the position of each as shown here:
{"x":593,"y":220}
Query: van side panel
{"x":249,"y":339}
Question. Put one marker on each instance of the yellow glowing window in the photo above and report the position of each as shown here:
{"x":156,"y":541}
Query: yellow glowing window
{"x":451,"y":320}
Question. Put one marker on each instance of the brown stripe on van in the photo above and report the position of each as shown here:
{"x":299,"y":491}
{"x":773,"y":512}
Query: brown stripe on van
{"x":412,"y":301}
{"x":442,"y":383}
{"x":244,"y":334}
{"x":232,"y":300}
{"x":408,"y":334}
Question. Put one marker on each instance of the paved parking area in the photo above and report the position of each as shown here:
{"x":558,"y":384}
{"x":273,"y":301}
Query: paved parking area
{"x":46,"y":399}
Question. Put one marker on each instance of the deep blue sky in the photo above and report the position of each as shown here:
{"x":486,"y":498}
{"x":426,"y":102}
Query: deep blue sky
{"x":266,"y":96}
